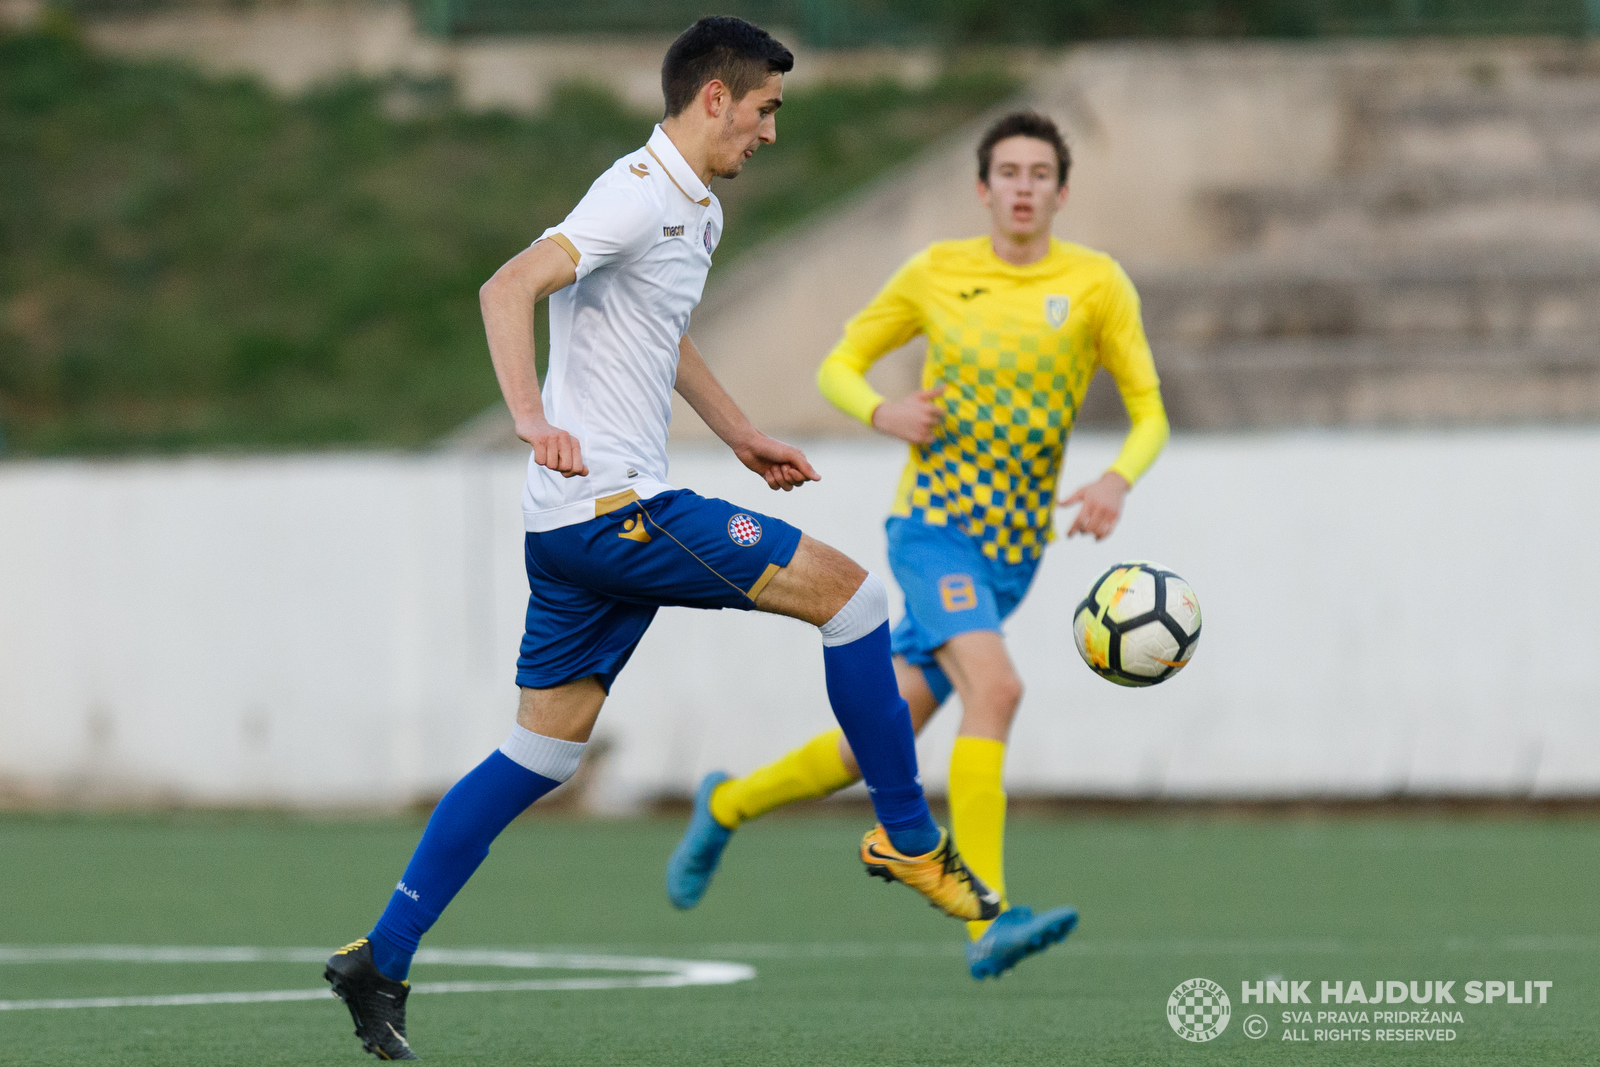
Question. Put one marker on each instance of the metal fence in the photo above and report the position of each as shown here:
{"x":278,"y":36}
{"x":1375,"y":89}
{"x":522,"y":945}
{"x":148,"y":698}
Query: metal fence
{"x":825,"y":23}
{"x":840,"y":23}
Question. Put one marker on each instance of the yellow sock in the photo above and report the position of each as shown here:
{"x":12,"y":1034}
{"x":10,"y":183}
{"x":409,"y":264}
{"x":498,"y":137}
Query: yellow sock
{"x":815,"y":769}
{"x":978,"y":812}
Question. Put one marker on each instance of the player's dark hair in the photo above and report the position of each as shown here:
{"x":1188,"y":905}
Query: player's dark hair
{"x":1025,"y":124}
{"x":721,"y":48}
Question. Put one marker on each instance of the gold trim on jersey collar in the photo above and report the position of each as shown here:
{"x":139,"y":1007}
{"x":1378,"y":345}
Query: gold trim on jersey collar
{"x":668,"y":171}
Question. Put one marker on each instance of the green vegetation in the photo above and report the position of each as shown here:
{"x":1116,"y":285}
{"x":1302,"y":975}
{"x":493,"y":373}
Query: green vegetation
{"x":192,"y":263}
{"x":849,"y":970}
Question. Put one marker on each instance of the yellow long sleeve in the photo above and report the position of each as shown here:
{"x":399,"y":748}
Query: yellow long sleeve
{"x":1125,"y":352}
{"x":891,"y":320}
{"x":1147,"y":435}
{"x":843,"y":381}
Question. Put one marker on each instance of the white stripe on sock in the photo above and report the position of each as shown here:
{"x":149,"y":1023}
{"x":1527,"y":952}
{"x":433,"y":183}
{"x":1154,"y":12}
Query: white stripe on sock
{"x":553,"y":758}
{"x":862,"y":614}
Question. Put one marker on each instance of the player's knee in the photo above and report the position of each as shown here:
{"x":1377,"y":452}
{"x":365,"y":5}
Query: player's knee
{"x":863,"y":613}
{"x":1004,"y":694}
{"x":1008,"y":692}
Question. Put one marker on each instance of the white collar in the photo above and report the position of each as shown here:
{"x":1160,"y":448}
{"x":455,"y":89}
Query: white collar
{"x":678,"y":170}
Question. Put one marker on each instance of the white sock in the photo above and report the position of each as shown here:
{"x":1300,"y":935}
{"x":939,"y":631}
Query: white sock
{"x":862,"y":614}
{"x":553,"y":758}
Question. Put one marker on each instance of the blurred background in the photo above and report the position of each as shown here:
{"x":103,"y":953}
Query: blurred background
{"x":259,"y":525}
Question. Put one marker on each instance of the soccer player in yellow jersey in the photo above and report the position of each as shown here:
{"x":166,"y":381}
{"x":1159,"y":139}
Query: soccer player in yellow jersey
{"x":1017,"y":323}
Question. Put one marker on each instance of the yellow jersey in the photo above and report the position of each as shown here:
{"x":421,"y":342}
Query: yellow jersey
{"x":1014,"y":349}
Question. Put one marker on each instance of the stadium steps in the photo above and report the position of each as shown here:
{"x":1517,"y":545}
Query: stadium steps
{"x":1449,"y":275}
{"x":1516,"y":296}
{"x":1329,"y":382}
{"x":1430,"y":205}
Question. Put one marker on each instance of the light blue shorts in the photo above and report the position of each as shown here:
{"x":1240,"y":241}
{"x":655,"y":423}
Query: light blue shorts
{"x":951,"y":588}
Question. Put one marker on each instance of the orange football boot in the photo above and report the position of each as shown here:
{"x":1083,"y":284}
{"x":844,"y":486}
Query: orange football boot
{"x":941,"y":875}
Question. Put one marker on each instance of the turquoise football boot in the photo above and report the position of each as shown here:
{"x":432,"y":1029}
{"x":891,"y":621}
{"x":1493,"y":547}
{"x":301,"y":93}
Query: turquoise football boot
{"x":1017,"y":934}
{"x":695,"y":859}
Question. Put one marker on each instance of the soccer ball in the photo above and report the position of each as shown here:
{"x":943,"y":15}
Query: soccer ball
{"x":1139,"y":624}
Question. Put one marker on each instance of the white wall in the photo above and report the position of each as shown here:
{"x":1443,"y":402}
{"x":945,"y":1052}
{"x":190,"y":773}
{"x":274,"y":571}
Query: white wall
{"x":1383,"y":614}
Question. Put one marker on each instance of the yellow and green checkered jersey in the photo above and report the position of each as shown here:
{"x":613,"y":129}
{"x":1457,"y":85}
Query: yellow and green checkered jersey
{"x":1013,"y":349}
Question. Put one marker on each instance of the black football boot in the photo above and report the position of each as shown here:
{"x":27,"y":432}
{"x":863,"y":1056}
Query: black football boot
{"x":377,"y":1004}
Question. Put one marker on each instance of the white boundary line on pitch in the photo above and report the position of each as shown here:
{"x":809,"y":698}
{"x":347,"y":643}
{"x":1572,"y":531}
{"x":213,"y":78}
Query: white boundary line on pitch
{"x":660,"y":972}
{"x":604,"y":957}
{"x":650,"y":972}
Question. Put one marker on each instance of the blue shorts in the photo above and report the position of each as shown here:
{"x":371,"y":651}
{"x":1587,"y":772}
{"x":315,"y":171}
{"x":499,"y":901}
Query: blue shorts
{"x":594,"y":586}
{"x":951,"y":588}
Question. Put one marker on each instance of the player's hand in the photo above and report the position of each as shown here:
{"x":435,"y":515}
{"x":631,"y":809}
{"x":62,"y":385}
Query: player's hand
{"x":913,"y":419}
{"x":1102,"y":505}
{"x":783,"y":466}
{"x":553,"y":448}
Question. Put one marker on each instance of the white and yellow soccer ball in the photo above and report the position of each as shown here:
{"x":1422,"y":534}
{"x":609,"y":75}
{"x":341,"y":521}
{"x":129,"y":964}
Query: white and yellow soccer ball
{"x":1139,"y":624}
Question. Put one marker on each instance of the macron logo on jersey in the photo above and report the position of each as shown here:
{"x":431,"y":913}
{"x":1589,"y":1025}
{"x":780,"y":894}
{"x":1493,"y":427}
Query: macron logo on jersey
{"x":672,"y":231}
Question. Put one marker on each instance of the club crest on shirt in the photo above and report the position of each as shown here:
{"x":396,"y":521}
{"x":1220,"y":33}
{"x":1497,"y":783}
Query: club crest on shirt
{"x":744,"y":529}
{"x":708,"y":252}
{"x":1055,"y":311}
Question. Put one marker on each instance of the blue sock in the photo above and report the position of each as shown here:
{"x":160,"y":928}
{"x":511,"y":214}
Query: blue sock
{"x":877,"y":723}
{"x":456,"y":841}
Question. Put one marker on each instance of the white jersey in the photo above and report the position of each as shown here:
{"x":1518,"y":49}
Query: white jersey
{"x":641,"y":239}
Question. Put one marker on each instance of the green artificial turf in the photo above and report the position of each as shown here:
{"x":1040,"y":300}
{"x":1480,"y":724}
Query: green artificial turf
{"x":849,"y":971}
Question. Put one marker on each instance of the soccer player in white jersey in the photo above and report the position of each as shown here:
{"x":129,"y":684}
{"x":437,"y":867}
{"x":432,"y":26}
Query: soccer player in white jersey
{"x":609,"y":538}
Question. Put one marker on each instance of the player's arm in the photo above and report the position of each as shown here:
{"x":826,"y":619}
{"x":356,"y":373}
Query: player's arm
{"x":888,"y":322}
{"x":782,"y":465}
{"x":1125,"y":352}
{"x":507,"y":300}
